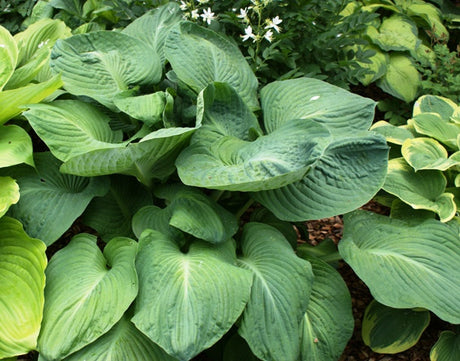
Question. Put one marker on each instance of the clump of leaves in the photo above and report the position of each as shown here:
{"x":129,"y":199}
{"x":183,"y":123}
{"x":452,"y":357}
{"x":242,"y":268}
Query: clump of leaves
{"x":13,"y":13}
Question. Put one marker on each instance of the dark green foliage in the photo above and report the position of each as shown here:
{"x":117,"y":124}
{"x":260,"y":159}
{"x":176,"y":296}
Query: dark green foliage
{"x":13,"y":13}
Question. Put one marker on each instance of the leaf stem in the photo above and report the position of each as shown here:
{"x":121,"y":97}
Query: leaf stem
{"x":243,"y":209}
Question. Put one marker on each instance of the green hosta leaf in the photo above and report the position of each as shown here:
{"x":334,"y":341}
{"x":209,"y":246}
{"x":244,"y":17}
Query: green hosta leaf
{"x":8,"y":56}
{"x":222,"y":112}
{"x":153,"y":27}
{"x":200,"y":56}
{"x":328,"y":323}
{"x":280,"y":293}
{"x":392,"y":330}
{"x":50,"y":201}
{"x":435,"y":104}
{"x":187,"y":301}
{"x":395,"y":33}
{"x":447,"y":348}
{"x":72,"y":127}
{"x":271,"y":161}
{"x":42,"y":34}
{"x":326,"y":251}
{"x":123,"y":342}
{"x":26,"y":73}
{"x":147,"y":108}
{"x":86,"y":293}
{"x":13,"y":101}
{"x":156,"y":218}
{"x":194,"y":213}
{"x":402,"y":80}
{"x":15,"y":146}
{"x":432,"y":125}
{"x":427,"y":153}
{"x":111,"y":215}
{"x":405,"y":265}
{"x":22,"y":280}
{"x":9,"y":194}
{"x":431,"y":16}
{"x":403,"y":211}
{"x":340,"y":111}
{"x":347,"y":175}
{"x":102,"y":64}
{"x":422,"y":190}
{"x":393,"y":134}
{"x":378,"y":65}
{"x":152,"y":157}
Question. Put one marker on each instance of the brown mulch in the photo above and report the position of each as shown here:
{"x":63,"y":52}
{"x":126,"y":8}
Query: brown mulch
{"x":356,"y":350}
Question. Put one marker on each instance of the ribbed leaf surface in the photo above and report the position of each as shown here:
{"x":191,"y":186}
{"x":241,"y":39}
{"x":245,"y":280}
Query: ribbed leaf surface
{"x":279,"y":297}
{"x":15,"y":146}
{"x":8,"y":56}
{"x":188,"y":301}
{"x":405,"y":265}
{"x":200,"y":56}
{"x":86,"y":293}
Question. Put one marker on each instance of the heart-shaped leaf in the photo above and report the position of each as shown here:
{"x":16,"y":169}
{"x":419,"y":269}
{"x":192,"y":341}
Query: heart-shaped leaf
{"x":51,"y":201}
{"x":405,"y":265}
{"x":432,"y":125}
{"x":200,"y":56}
{"x":87,"y":292}
{"x":188,"y":301}
{"x":15,"y":146}
{"x":22,"y":281}
{"x":392,"y":330}
{"x":435,"y":104}
{"x":427,"y":153}
{"x":279,"y":297}
{"x":328,"y":324}
{"x":102,"y":64}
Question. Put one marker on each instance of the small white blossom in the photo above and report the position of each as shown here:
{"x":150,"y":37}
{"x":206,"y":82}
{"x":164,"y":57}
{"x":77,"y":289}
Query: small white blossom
{"x":338,"y":35}
{"x":208,"y":15}
{"x":273,"y":24}
{"x":183,"y":6}
{"x":269,"y":35}
{"x":194,"y":14}
{"x":248,"y":34}
{"x":243,"y":13}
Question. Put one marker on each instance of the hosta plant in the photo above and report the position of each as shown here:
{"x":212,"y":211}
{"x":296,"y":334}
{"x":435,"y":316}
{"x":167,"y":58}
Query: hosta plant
{"x":160,"y":140}
{"x":418,"y":246}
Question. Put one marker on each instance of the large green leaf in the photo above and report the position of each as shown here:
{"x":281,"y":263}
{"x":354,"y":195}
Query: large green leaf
{"x":340,"y":111}
{"x":152,"y":157}
{"x":447,"y":348}
{"x":328,"y":323}
{"x":39,"y":35}
{"x":9,"y":194}
{"x":12,"y":101}
{"x":156,"y":218}
{"x":111,"y":214}
{"x":405,"y":265}
{"x":393,"y":134}
{"x":50,"y":201}
{"x":196,"y":214}
{"x":15,"y":146}
{"x":102,"y":64}
{"x":424,"y":189}
{"x":432,"y":125}
{"x":435,"y":104}
{"x":269,"y":162}
{"x":280,"y":293}
{"x":87,"y":292}
{"x":72,"y":127}
{"x":29,"y":71}
{"x":200,"y":56}
{"x":22,"y":281}
{"x":376,"y":63}
{"x":188,"y":301}
{"x":153,"y":27}
{"x":122,"y":343}
{"x":427,"y":153}
{"x":8,"y":56}
{"x":395,"y":33}
{"x":392,"y":330}
{"x":347,"y":175}
{"x":148,"y":108}
{"x":402,"y":80}
{"x":431,"y":15}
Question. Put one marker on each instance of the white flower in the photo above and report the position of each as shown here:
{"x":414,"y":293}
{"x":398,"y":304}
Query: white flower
{"x":243,"y":13}
{"x":194,"y":14}
{"x":183,"y":6}
{"x":208,"y":15}
{"x":269,"y":35}
{"x":248,"y":34}
{"x":273,"y":24}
